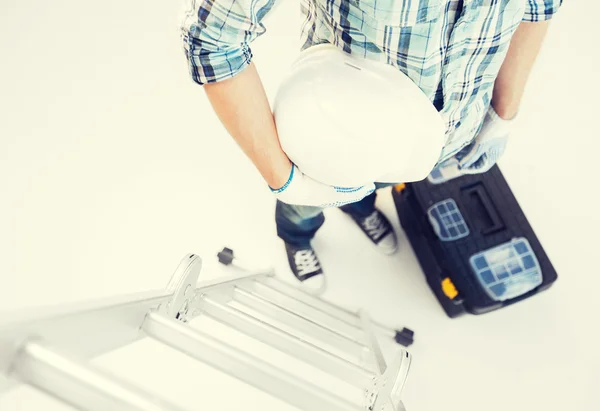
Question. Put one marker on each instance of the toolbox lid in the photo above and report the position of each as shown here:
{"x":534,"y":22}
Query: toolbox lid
{"x":507,"y":271}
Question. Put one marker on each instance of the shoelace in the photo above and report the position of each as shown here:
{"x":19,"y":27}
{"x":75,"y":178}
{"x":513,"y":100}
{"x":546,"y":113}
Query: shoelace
{"x":306,"y":261}
{"x":374,"y":226}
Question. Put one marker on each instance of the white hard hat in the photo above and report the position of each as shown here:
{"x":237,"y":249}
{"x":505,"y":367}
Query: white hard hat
{"x":347,"y":121}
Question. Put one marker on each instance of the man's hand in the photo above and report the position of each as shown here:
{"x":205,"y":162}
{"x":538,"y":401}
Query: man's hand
{"x":489,"y":145}
{"x":303,"y":190}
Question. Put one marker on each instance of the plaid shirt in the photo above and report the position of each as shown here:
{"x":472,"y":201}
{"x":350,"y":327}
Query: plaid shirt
{"x":452,"y":49}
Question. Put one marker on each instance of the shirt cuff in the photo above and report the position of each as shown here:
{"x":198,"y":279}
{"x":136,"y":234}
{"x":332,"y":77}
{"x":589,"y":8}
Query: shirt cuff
{"x":536,"y":13}
{"x":212,"y":67}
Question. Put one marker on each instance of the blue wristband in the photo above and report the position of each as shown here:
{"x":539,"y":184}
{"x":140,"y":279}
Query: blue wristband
{"x":288,"y":182}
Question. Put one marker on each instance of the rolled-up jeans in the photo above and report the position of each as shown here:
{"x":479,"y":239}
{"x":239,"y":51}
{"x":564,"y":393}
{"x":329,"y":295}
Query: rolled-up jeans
{"x":297,"y":225}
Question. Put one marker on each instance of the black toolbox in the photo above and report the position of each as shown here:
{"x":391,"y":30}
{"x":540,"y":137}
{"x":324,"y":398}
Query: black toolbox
{"x":473,"y":241}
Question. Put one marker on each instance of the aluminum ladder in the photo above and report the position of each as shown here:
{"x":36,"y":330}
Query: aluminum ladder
{"x":51,"y":352}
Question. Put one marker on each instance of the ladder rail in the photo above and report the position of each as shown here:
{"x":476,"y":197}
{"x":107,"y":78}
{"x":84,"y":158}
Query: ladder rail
{"x":393,"y":381}
{"x":91,"y":329}
{"x":85,"y":330}
{"x":245,"y":367}
{"x":79,"y":384}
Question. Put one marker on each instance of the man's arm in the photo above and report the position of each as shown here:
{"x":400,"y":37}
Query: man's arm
{"x":511,"y":80}
{"x":490,"y":143}
{"x":243,"y":108}
{"x":217,"y":38}
{"x":523,"y":50}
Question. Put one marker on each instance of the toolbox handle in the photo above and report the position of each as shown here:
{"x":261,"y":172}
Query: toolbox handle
{"x":487,"y":218}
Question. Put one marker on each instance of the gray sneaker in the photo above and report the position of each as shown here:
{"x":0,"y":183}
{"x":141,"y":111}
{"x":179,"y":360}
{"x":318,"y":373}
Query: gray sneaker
{"x":379,"y":230}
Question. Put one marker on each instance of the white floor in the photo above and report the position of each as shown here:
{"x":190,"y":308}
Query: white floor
{"x":112,"y":167}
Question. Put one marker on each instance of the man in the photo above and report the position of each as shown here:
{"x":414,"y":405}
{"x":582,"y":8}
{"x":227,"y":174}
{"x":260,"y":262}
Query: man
{"x":471,"y":58}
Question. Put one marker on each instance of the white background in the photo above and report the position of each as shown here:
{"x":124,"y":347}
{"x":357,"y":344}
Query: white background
{"x":113,"y":166}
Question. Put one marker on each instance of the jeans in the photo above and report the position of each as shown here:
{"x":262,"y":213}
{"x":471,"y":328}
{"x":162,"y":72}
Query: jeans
{"x":297,"y":225}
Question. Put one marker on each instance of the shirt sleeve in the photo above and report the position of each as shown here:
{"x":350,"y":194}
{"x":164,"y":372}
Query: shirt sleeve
{"x":217,"y":36}
{"x":540,"y":10}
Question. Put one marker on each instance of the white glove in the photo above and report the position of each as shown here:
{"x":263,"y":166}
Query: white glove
{"x":489,"y":145}
{"x":303,"y":190}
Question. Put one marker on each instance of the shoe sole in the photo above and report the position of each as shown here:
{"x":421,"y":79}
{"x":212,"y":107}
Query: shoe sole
{"x":311,"y":290}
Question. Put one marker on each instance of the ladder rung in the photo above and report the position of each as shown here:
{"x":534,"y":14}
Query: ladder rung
{"x":308,"y":311}
{"x":377,"y":355}
{"x":80,"y":385}
{"x":224,"y":282}
{"x":288,"y":343}
{"x":348,"y":317}
{"x":245,"y":367}
{"x":337,"y":312}
{"x":245,"y":296}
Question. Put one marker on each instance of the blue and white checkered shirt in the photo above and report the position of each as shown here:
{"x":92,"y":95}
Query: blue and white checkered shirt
{"x":452,"y":49}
